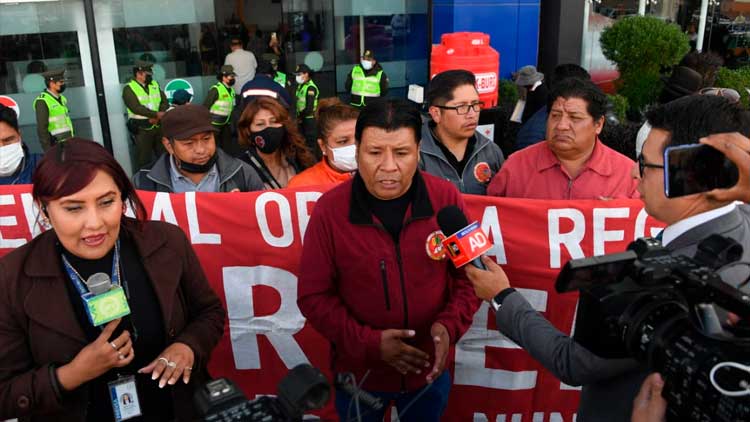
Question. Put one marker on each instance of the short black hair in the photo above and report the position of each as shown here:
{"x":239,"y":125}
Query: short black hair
{"x":688,"y":119}
{"x":567,"y":70}
{"x":9,"y":116}
{"x":596,"y":101}
{"x":389,"y":114}
{"x":441,"y":87}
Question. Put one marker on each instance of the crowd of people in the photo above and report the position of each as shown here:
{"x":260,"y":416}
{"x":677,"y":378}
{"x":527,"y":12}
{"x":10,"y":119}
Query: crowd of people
{"x":390,"y":316}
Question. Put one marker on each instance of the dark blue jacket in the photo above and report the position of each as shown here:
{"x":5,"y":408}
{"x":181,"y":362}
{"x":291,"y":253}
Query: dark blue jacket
{"x":533,"y":130}
{"x":265,"y":83}
{"x":23,"y":175}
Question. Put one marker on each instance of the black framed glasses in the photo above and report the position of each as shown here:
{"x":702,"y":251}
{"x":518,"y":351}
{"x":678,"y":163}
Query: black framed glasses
{"x":464,"y":109}
{"x":642,"y":164}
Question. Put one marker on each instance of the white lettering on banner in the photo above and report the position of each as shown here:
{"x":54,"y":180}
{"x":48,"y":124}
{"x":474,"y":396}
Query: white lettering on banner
{"x":470,"y":368}
{"x":571,"y":240}
{"x":601,"y":235}
{"x":287,"y":232}
{"x":304,"y":198}
{"x":31,"y":211}
{"x":640,"y":226}
{"x":491,"y":226}
{"x":9,"y":221}
{"x":196,"y":237}
{"x":518,"y":417}
{"x":245,"y":327}
{"x":162,"y":208}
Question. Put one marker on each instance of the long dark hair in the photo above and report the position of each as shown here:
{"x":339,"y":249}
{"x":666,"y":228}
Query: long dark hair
{"x":71,"y":165}
{"x":292,"y":147}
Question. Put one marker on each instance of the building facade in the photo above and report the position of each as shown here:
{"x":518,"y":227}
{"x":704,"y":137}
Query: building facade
{"x":97,"y":42}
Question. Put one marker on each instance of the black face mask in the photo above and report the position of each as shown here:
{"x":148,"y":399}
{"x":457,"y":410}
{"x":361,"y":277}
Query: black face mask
{"x":62,"y":88}
{"x":149,"y":79}
{"x":231,"y":82}
{"x":269,"y":139}
{"x":196,"y":168}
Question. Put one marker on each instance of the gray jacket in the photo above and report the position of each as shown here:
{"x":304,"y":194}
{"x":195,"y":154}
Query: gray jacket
{"x":475,"y":177}
{"x":233,"y":174}
{"x":609,"y":385}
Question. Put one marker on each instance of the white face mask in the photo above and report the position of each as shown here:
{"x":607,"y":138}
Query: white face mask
{"x":300,"y":79}
{"x":345,"y":158}
{"x":10,"y":158}
{"x":366,"y":64}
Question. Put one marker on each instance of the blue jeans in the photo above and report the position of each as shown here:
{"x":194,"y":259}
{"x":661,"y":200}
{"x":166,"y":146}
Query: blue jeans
{"x":428,"y":408}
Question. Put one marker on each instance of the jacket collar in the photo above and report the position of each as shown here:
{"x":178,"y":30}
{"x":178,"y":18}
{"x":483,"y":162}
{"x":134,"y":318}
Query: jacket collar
{"x":597,"y":162}
{"x":226,"y":164}
{"x":429,"y":141}
{"x":145,"y":241}
{"x":359,"y":212}
{"x":46,"y":302}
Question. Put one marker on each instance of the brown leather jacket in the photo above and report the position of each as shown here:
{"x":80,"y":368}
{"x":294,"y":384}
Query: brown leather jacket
{"x":38,"y":327}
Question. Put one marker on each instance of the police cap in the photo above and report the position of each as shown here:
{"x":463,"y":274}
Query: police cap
{"x":54,"y":75}
{"x":143,"y":65}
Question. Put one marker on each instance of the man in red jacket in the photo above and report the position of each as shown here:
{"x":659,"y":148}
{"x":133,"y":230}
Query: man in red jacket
{"x":374,"y":282}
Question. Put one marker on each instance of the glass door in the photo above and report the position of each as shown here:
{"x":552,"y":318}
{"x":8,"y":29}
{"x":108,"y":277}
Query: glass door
{"x":40,"y":36}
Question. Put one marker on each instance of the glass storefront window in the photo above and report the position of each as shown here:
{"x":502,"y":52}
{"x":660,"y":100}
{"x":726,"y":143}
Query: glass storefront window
{"x":397,"y":31}
{"x":35,"y":37}
{"x":188,"y":40}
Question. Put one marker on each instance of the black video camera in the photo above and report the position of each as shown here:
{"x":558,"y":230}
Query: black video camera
{"x":304,"y":388}
{"x":658,"y":308}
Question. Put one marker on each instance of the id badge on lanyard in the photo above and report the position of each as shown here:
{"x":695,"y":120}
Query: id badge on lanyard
{"x":124,"y":395}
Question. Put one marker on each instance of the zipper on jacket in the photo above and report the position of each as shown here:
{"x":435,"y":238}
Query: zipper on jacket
{"x":403,"y":295}
{"x":385,"y":285}
{"x":403,"y":285}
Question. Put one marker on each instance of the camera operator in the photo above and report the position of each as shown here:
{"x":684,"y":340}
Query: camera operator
{"x":610,"y":385}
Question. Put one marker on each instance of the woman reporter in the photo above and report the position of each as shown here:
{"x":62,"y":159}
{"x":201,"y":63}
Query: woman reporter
{"x":276,"y":150}
{"x":55,"y":365}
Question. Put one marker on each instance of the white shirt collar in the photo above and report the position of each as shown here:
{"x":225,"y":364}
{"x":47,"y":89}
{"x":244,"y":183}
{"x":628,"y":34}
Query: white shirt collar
{"x":677,"y":229}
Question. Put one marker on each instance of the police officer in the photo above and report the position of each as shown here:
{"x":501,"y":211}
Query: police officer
{"x":220,"y":100}
{"x":53,"y":122}
{"x":146,"y":104}
{"x":366,"y":80}
{"x":280,"y":77}
{"x":307,"y":104}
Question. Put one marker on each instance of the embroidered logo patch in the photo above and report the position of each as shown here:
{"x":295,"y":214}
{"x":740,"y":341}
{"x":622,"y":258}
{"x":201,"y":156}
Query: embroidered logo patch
{"x":482,"y":172}
{"x":434,"y":245}
{"x":259,"y":141}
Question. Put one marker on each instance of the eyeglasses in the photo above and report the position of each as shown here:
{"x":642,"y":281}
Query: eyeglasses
{"x":464,"y":109}
{"x":643,"y":164}
{"x":728,"y":93}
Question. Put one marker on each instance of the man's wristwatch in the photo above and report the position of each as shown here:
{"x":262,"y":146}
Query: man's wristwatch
{"x":497,"y":301}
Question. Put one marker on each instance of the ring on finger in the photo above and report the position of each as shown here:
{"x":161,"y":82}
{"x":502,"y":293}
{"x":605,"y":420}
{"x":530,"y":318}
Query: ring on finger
{"x":163,"y":359}
{"x":188,"y":368}
{"x":171,"y":364}
{"x":120,"y":355}
{"x":114,"y":346}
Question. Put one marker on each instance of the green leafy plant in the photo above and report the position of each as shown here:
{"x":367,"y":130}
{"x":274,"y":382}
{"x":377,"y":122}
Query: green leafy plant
{"x":619,"y":106}
{"x":737,"y":79}
{"x":507,"y":91}
{"x":641,"y":46}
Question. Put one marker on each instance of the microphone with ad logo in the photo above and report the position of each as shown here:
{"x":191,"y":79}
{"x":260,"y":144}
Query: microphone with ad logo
{"x":105,"y":301}
{"x":464,"y":242}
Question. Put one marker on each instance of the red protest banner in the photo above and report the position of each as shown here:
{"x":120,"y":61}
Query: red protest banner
{"x":249,"y":244}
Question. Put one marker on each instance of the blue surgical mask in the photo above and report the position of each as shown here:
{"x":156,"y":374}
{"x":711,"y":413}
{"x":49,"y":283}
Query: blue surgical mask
{"x":366,"y":64}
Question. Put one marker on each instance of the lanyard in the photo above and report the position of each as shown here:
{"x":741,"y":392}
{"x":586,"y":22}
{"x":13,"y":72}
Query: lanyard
{"x":78,"y":280}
